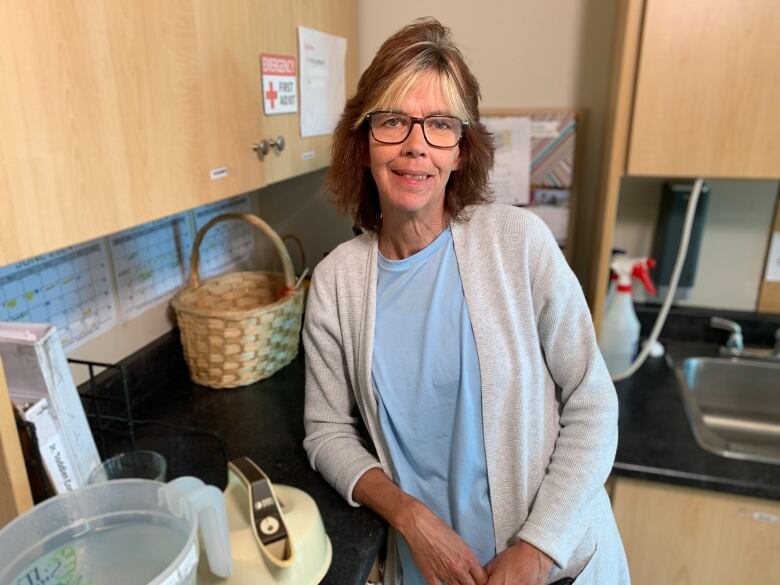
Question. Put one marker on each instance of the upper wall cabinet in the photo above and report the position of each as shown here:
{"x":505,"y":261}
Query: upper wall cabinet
{"x":116,"y":113}
{"x":707,"y":90}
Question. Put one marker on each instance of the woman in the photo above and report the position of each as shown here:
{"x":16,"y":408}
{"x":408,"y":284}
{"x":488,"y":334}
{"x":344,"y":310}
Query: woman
{"x":454,"y":385}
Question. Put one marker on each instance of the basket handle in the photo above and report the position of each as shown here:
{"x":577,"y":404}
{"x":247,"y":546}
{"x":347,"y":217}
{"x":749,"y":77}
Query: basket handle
{"x":287,"y":265}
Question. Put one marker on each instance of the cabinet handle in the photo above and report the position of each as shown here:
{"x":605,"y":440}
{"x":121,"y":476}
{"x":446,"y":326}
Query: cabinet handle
{"x":263,"y":147}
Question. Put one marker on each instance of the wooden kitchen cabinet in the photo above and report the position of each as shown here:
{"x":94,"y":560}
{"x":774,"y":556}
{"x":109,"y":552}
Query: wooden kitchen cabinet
{"x":694,"y":93}
{"x":101,"y":110}
{"x":707,"y":90}
{"x":685,"y":536}
{"x":116,"y":113}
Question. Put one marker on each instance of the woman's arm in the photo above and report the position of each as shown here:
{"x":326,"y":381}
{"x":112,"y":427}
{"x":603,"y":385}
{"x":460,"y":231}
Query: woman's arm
{"x":439,"y":552}
{"x":333,"y":442}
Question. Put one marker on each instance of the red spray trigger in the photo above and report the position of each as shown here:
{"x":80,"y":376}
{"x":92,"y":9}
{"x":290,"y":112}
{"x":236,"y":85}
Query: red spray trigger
{"x":641,"y":271}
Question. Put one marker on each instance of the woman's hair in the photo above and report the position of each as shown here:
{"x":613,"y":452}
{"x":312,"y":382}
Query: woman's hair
{"x":417,"y":52}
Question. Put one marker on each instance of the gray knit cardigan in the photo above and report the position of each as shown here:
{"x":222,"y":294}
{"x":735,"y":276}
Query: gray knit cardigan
{"x":549,"y":407}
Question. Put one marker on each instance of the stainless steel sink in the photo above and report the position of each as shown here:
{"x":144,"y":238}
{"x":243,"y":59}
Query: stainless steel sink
{"x":733,"y":406}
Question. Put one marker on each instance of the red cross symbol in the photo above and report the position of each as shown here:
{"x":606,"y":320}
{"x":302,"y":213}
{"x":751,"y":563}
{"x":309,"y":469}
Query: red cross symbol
{"x":271,"y":94}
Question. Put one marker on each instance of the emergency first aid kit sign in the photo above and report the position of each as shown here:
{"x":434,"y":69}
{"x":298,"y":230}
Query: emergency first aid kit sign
{"x":280,"y":89}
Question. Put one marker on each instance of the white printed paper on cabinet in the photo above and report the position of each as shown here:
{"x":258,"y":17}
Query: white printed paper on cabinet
{"x":280,"y":94}
{"x":322,"y":59}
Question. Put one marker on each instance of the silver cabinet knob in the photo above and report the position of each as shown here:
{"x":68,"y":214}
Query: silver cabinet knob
{"x":278,"y":144}
{"x":263,"y":147}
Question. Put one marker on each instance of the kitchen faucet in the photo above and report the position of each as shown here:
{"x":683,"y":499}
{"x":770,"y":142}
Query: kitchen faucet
{"x":735,"y":344}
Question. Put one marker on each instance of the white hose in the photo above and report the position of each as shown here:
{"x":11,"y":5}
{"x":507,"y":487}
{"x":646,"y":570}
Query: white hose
{"x":666,"y":305}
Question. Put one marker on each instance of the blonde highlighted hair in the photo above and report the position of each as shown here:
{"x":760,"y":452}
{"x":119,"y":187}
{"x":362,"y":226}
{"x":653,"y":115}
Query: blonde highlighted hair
{"x":414,"y":54}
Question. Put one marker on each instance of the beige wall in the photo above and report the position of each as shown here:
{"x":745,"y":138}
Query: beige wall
{"x":525,"y":53}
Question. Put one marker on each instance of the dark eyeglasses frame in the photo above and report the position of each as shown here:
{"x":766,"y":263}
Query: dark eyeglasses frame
{"x":421,"y":121}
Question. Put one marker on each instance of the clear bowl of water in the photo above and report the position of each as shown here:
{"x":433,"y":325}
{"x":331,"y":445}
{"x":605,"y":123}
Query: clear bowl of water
{"x":124,"y":532}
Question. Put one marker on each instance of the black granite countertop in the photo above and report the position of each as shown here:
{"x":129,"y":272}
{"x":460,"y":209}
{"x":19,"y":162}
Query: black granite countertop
{"x":656,"y":442}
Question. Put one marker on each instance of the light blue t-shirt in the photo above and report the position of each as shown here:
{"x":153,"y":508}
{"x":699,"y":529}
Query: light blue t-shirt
{"x":426,"y":379}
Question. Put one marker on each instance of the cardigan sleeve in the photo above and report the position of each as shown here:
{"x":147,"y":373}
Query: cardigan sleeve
{"x":334,"y":444}
{"x":585,"y":448}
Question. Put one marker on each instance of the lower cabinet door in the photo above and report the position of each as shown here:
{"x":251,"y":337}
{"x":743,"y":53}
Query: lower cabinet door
{"x":686,"y":536}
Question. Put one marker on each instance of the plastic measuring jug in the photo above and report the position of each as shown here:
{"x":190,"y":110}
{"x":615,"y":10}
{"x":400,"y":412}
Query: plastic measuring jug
{"x":123,"y":532}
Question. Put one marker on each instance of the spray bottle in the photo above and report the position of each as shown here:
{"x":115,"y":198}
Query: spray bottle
{"x":620,"y":328}
{"x":612,"y":278}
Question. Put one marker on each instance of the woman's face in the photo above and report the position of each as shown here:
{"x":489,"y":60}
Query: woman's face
{"x":411,"y":176}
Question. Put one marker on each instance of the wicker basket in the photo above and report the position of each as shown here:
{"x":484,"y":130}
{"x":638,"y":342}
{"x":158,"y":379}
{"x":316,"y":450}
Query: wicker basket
{"x":242,"y":327}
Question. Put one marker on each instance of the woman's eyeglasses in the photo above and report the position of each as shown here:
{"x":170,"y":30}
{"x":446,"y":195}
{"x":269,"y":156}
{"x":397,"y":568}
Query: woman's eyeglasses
{"x":394,"y":128}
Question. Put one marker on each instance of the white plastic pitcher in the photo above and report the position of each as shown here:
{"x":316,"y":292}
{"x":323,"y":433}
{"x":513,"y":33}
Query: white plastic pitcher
{"x":123,"y":532}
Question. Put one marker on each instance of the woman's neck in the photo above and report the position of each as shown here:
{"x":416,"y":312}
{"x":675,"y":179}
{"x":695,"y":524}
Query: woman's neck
{"x":400,"y":238}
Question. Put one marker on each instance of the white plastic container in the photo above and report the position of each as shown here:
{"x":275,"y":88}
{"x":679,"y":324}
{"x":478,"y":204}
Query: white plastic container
{"x":123,"y":532}
{"x":619,"y":333}
{"x":620,"y":329}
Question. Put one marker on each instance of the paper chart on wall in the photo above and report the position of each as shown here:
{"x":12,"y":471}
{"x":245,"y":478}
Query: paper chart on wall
{"x":322,"y":59}
{"x":510,"y":176}
{"x":151,"y":262}
{"x":70,"y":288}
{"x":226,"y":244}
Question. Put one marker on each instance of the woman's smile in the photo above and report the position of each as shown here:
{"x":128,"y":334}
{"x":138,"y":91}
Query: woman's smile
{"x":412,"y":176}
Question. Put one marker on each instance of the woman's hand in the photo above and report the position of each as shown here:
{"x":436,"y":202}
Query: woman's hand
{"x":439,"y":552}
{"x":520,"y":564}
